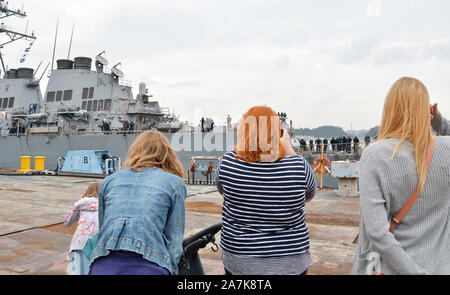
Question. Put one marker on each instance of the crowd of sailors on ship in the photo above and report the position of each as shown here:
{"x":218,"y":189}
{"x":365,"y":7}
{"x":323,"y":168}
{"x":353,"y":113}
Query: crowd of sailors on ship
{"x":207,"y":124}
{"x":344,"y":144}
{"x":128,"y":126}
{"x":20,"y":130}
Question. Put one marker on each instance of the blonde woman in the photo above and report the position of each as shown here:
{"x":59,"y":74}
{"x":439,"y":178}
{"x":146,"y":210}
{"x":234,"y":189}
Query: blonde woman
{"x":141,"y":212}
{"x":390,"y":171}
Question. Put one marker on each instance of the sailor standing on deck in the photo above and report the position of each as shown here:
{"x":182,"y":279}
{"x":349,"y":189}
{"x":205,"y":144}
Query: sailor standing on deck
{"x":355,"y":144}
{"x":318,"y":144}
{"x":131,"y":126}
{"x":367,"y":140}
{"x":343,"y":143}
{"x":106,"y":126}
{"x":125,"y":126}
{"x":325,"y":145}
{"x":302,"y":146}
{"x":211,"y":124}
{"x":207,"y":125}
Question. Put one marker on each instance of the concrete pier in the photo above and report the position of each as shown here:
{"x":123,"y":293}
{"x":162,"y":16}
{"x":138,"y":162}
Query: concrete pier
{"x":34,"y":240}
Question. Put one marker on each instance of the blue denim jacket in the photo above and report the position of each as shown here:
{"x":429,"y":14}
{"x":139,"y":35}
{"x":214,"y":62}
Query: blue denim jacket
{"x":142,"y":212}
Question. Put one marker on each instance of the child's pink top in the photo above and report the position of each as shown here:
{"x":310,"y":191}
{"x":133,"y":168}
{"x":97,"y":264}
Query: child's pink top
{"x":85,"y":210}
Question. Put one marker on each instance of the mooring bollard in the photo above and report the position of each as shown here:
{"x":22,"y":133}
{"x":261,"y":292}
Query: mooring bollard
{"x":39,"y":163}
{"x":347,"y":172}
{"x":24,"y":164}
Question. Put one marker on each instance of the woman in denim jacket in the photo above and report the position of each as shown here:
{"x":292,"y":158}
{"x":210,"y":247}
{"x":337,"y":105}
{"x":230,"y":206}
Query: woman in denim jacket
{"x":141,"y":212}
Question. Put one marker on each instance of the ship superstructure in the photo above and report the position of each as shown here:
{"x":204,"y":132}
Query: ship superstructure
{"x":20,"y":94}
{"x":88,"y":106}
{"x":79,"y":99}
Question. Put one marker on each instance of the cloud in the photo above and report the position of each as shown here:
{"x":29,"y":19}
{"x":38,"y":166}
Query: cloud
{"x":408,"y":52}
{"x":322,"y":62}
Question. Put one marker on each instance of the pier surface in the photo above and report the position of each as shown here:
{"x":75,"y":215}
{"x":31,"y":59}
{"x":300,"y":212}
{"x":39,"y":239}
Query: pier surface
{"x":34,"y":240}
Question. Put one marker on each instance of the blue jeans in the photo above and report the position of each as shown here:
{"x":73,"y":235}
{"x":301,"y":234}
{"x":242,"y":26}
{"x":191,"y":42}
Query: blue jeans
{"x":80,"y":264}
{"x":125,"y":263}
{"x":230,"y":274}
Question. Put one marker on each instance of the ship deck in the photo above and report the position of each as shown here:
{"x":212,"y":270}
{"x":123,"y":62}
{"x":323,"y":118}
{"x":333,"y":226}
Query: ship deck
{"x":34,"y":240}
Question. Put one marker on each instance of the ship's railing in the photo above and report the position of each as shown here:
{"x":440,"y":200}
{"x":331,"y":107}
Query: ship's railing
{"x":165,"y":110}
{"x":221,"y":126}
{"x":16,"y":134}
{"x":315,"y":149}
{"x":123,"y":82}
{"x":343,"y":148}
{"x":100,"y":132}
{"x":186,"y":128}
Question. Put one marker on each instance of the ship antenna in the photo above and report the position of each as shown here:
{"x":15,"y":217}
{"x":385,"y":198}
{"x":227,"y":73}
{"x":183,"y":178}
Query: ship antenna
{"x":54,"y":45}
{"x":3,"y":64}
{"x":35,"y":71}
{"x":13,"y":35}
{"x":43,"y":72}
{"x":71,"y":36}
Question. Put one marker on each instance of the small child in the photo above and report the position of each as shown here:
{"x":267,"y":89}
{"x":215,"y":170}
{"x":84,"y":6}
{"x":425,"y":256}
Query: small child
{"x":85,"y":210}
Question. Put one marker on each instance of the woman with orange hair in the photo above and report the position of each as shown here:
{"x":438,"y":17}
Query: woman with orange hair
{"x":405,"y":190}
{"x":265,"y":185}
{"x":141,"y":212}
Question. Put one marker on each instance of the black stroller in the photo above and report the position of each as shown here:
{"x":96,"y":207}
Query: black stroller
{"x":190,"y":263}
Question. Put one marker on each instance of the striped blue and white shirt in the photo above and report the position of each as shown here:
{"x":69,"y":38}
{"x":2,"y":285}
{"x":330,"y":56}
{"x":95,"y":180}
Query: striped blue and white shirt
{"x":263,"y":209}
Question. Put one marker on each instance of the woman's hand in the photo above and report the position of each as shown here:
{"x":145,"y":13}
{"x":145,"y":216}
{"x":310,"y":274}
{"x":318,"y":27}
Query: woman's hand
{"x":434,"y":112}
{"x":286,"y":142}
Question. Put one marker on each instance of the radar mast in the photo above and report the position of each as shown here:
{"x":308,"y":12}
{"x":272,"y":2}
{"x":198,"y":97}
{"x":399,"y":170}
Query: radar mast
{"x":5,"y":12}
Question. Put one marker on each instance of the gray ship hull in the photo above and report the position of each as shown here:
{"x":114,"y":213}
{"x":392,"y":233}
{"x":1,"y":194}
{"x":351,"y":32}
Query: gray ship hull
{"x":186,"y":145}
{"x":53,"y":147}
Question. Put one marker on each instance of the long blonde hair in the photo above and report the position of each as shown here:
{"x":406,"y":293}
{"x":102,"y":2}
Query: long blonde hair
{"x":153,"y":149}
{"x":406,"y":115}
{"x":92,"y":190}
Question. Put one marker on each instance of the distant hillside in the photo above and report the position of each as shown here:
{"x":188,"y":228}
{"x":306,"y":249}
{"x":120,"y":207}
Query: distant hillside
{"x":322,"y":131}
{"x":374,"y":131}
{"x":359,"y":133}
{"x":334,"y":131}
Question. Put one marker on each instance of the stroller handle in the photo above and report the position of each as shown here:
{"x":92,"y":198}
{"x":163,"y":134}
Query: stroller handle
{"x":207,"y":233}
{"x":190,"y":263}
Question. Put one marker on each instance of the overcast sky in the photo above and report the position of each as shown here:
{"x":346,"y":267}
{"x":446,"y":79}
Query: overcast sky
{"x":322,"y":62}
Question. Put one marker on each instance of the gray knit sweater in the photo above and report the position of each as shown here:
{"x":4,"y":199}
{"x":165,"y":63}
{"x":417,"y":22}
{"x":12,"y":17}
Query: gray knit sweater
{"x":421,"y":243}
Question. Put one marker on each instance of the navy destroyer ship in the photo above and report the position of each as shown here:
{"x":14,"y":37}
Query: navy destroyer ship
{"x":89,"y":106}
{"x":86,"y":107}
